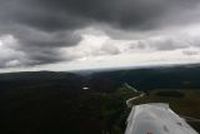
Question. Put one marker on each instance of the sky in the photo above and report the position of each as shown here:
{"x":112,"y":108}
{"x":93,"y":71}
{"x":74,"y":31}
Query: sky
{"x":62,"y":35}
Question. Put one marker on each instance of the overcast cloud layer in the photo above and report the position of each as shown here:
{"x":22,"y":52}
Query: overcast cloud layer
{"x":50,"y":32}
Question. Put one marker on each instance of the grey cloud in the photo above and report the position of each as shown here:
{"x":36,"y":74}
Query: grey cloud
{"x":110,"y":49}
{"x":168,"y":44}
{"x":32,"y":37}
{"x":40,"y":33}
{"x":40,"y":47}
{"x":191,"y":52}
{"x":9,"y":55}
{"x":125,"y":14}
{"x":54,"y":15}
{"x":43,"y":27}
{"x":194,"y":41}
{"x":160,"y":44}
{"x":141,"y":44}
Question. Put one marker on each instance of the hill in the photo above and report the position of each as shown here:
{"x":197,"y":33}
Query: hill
{"x":55,"y":102}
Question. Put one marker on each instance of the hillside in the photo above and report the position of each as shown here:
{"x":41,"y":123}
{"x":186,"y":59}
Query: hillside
{"x":55,"y":102}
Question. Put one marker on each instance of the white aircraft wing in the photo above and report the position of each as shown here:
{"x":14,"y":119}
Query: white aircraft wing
{"x":156,"y":118}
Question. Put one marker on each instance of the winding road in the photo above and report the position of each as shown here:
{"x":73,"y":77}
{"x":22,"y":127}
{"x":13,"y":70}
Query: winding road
{"x":141,"y":94}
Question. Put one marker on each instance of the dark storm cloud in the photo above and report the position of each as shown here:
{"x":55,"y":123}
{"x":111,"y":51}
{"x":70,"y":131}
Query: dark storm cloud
{"x":136,"y":14}
{"x":42,"y":27}
{"x":54,"y":15}
{"x":39,"y":47}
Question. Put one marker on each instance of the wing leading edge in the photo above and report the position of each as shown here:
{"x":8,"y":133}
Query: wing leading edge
{"x":156,"y":118}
